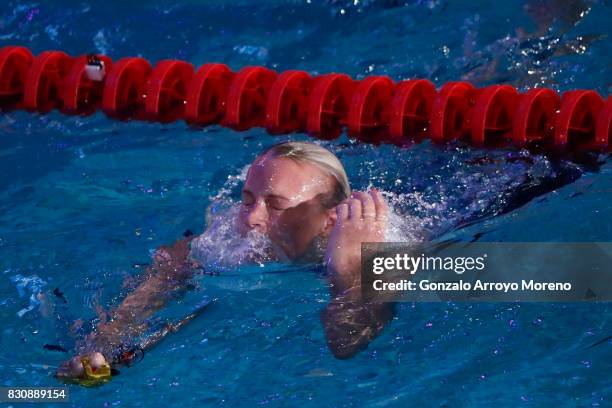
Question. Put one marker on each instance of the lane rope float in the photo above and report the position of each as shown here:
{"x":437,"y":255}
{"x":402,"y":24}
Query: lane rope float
{"x":373,"y":110}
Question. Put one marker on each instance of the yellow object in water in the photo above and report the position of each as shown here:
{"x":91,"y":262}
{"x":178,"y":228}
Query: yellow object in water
{"x":93,"y":376}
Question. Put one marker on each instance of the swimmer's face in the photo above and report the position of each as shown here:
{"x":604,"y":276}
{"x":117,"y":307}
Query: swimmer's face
{"x":284,"y":200}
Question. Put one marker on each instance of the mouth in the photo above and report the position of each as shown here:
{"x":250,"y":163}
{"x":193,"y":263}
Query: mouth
{"x":258,"y":247}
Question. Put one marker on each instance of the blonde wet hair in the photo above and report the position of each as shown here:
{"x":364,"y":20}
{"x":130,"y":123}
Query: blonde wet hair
{"x":305,"y":152}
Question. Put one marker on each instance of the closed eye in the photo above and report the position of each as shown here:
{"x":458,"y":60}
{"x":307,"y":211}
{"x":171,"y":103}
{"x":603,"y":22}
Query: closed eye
{"x":247,"y":198}
{"x":276,"y":207}
{"x":277,"y":203}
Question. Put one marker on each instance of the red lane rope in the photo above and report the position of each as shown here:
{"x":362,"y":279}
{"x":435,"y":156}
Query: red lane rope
{"x":373,"y":110}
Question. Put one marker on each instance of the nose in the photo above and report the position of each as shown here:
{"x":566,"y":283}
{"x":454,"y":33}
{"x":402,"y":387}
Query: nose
{"x":257,"y":217}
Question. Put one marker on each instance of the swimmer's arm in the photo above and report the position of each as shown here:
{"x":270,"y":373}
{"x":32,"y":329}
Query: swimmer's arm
{"x":350,"y":323}
{"x":168,"y":274}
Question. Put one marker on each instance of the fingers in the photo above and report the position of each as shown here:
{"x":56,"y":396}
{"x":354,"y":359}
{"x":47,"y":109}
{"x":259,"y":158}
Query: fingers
{"x":96,"y":359}
{"x":342,"y":210}
{"x":354,"y":207}
{"x":74,"y":367}
{"x":368,"y":209}
{"x":382,"y":209}
{"x":362,"y":205}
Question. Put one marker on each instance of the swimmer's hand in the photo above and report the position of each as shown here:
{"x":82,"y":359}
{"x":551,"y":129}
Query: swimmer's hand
{"x":360,"y":218}
{"x":73,"y":369}
{"x":349,"y":322}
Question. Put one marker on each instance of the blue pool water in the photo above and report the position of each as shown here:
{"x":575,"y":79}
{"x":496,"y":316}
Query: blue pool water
{"x":84,"y":201}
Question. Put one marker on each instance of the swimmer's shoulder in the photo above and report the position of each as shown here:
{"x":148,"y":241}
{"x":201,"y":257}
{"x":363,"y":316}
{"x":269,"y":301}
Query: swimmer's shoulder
{"x":179,"y":251}
{"x":183,"y":245}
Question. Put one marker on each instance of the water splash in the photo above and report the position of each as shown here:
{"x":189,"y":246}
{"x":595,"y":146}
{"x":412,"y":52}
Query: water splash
{"x":32,"y":285}
{"x":429,"y":190}
{"x":221,"y":247}
{"x":433,"y":190}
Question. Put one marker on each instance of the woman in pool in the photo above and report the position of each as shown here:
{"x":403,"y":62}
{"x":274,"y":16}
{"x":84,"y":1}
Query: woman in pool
{"x":297,"y":195}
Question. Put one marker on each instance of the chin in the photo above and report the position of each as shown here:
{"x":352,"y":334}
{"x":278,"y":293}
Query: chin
{"x":314,"y":252}
{"x":282,"y":253}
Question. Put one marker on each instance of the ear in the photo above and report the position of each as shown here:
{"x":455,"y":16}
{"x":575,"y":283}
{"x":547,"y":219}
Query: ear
{"x":330,"y":220}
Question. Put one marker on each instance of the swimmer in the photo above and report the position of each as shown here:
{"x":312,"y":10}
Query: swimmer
{"x":298,"y":195}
